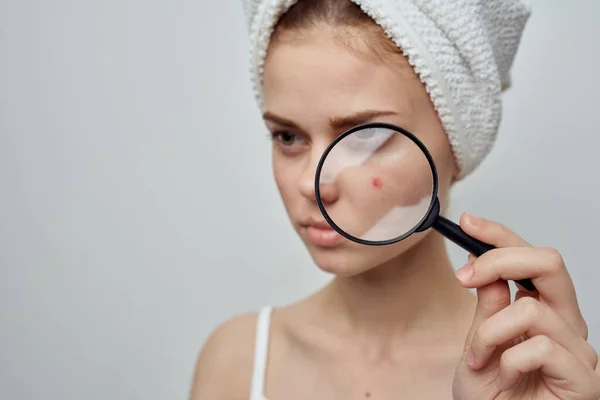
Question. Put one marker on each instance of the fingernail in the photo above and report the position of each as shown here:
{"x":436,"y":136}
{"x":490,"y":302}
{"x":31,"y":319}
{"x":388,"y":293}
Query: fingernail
{"x":465,"y":273}
{"x":473,"y":220}
{"x":470,"y":357}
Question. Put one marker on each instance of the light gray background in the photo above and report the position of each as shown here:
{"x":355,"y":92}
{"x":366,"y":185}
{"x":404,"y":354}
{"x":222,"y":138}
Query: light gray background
{"x":137,"y":206}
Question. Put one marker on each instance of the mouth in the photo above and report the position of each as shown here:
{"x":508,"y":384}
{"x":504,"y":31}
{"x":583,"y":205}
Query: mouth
{"x":321,"y":234}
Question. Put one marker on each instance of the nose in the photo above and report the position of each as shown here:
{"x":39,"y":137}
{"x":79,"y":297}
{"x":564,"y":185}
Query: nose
{"x":329,"y":191}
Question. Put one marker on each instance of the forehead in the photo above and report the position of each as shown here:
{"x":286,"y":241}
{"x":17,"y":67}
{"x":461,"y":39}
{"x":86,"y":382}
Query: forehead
{"x":317,"y":76}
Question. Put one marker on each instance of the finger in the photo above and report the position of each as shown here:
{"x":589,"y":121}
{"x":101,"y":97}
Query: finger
{"x":494,"y":233}
{"x":491,"y":232}
{"x":490,"y":299}
{"x":472,"y":257}
{"x":563,"y":373}
{"x":544,"y":266}
{"x":546,"y":269}
{"x":520,"y":294}
{"x":527,"y":317}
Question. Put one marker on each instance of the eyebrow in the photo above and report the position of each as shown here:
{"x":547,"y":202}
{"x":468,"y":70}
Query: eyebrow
{"x":336,"y":123}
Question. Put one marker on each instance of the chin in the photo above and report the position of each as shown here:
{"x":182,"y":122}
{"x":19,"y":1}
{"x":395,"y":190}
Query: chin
{"x":340,"y":263}
{"x":352,"y":259}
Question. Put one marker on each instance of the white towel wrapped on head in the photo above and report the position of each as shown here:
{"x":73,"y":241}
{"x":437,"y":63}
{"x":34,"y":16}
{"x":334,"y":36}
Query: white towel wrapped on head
{"x":462,"y":50}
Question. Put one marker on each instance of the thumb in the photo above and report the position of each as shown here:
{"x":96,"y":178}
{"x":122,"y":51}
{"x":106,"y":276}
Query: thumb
{"x":491,"y":298}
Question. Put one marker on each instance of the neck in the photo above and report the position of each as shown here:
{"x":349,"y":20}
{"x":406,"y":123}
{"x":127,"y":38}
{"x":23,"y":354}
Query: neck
{"x":414,"y":293}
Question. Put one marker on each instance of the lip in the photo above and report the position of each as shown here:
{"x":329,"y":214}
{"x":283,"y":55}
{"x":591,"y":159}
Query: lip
{"x":321,"y":234}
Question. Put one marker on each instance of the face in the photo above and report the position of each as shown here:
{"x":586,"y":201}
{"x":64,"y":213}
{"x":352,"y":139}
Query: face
{"x":316,"y":88}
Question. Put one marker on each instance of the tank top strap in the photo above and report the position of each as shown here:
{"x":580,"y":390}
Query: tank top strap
{"x":261,"y":353}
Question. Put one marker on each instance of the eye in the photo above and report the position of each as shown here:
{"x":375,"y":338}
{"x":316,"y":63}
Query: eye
{"x":289,"y":142}
{"x":367,"y":140}
{"x":364,"y":133}
{"x":285,"y":138}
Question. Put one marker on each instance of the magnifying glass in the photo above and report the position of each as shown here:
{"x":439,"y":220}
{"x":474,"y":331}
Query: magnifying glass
{"x":387,"y":187}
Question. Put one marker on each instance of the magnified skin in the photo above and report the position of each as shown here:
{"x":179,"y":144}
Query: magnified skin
{"x":367,"y":208}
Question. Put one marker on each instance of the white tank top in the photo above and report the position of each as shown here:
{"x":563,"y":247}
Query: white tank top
{"x":261,"y":353}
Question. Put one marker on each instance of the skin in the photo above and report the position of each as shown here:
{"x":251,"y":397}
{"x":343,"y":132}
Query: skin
{"x":395,"y":318}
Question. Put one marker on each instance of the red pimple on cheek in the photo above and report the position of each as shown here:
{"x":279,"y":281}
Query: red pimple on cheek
{"x":377,"y":182}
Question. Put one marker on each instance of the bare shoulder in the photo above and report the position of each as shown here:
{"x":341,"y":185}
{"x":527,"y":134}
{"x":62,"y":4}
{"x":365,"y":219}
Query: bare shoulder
{"x":224,"y":366}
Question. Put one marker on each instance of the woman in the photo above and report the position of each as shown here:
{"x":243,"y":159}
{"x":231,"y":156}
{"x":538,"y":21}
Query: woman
{"x":397,"y":321}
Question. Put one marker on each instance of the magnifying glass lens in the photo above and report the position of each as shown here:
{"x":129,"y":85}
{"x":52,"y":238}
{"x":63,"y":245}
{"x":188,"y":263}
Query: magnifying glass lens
{"x":376,"y":184}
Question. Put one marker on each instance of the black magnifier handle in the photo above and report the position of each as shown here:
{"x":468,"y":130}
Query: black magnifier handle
{"x":453,"y":232}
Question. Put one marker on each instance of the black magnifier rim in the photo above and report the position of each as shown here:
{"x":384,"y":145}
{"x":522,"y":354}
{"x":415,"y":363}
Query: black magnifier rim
{"x":368,"y":126}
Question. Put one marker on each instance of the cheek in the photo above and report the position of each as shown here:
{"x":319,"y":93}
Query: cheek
{"x":387,"y":184}
{"x":411,"y":178}
{"x":287,"y":174}
{"x":436,"y":141}
{"x":281,"y":175}
{"x":385,"y":198}
{"x":445,"y":165}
